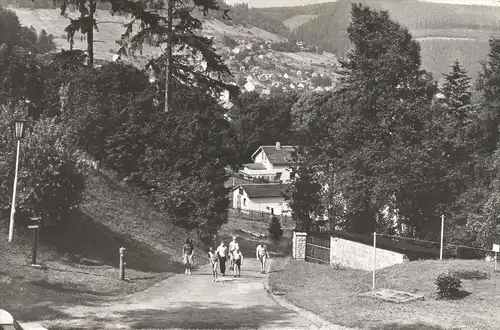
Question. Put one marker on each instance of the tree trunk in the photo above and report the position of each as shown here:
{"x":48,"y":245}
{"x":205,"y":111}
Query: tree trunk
{"x":168,"y":82}
{"x":90,"y":33}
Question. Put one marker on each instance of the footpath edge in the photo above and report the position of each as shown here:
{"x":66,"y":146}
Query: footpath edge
{"x":314,"y":318}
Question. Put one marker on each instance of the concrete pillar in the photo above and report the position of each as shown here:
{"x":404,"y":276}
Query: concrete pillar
{"x":299,"y":245}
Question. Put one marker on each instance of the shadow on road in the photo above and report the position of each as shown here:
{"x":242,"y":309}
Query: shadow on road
{"x":215,"y":316}
{"x":415,"y":326}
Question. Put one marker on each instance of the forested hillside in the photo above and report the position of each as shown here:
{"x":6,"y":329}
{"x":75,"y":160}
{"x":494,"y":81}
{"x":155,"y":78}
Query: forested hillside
{"x":45,"y":4}
{"x":446,"y":32}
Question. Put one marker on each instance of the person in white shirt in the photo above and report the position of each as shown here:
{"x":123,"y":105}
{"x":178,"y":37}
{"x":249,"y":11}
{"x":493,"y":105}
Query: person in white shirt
{"x":262,"y":254}
{"x":233,"y":245}
{"x":187,"y":255}
{"x":238,"y":262}
{"x":222,"y":254}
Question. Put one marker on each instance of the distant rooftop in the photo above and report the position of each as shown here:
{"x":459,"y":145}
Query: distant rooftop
{"x":283,"y":156}
{"x":265,"y":190}
{"x":255,"y":166}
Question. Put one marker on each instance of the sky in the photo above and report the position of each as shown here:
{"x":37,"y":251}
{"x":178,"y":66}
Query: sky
{"x":292,"y":3}
{"x":276,"y":3}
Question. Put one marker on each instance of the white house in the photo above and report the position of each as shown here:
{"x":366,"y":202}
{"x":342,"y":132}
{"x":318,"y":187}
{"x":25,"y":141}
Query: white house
{"x":249,"y":87}
{"x":271,"y":163}
{"x":267,"y":197}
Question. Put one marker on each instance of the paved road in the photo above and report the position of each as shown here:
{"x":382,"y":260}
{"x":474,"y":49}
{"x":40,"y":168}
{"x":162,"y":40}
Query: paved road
{"x":192,"y":301}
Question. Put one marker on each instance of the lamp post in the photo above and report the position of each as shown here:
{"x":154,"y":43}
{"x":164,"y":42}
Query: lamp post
{"x":18,"y":134}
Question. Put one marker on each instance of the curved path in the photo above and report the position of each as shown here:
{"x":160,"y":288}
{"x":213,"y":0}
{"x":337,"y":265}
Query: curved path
{"x":193,"y":301}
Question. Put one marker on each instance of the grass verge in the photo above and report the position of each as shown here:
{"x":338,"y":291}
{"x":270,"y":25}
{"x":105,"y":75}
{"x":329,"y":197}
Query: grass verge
{"x":335,"y":295}
{"x":80,"y":257}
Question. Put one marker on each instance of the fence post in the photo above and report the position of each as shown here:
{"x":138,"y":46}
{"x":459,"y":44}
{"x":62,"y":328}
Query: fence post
{"x":299,"y":245}
{"x":122,"y":264}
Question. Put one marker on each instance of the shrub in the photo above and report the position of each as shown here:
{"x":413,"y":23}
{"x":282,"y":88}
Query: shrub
{"x":275,"y":230}
{"x":448,"y":285}
{"x":47,"y":162}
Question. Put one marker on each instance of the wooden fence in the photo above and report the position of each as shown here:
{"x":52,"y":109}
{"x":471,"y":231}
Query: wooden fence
{"x":258,"y":215}
{"x":318,"y":248}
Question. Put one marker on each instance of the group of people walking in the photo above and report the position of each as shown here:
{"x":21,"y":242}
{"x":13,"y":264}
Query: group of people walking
{"x":223,"y":254}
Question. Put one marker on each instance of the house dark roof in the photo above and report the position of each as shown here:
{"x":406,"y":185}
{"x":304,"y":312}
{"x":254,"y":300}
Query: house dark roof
{"x":277,"y":157}
{"x":265,"y":190}
{"x":255,"y":166}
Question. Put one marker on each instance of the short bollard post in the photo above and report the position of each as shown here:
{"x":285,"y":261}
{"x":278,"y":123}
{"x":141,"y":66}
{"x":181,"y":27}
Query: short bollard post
{"x":122,"y":264}
{"x":35,"y":227}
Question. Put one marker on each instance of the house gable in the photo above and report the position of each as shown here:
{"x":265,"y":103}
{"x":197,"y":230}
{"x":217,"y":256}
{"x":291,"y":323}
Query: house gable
{"x":277,"y":157}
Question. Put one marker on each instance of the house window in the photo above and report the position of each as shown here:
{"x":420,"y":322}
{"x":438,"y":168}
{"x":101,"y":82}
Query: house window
{"x":244,"y":202}
{"x":292,"y":175}
{"x":278,"y":176}
{"x":240,"y":191}
{"x":272,"y":211}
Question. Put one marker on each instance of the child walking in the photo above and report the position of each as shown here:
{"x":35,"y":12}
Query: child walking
{"x":262,"y":254}
{"x":238,"y":261}
{"x":214,"y":260}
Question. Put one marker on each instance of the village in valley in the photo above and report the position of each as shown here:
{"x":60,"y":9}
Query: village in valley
{"x":258,"y":67}
{"x":265,"y":62}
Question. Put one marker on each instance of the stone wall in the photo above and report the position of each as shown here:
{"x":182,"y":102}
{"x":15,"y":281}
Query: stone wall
{"x":299,"y":245}
{"x":360,"y":256}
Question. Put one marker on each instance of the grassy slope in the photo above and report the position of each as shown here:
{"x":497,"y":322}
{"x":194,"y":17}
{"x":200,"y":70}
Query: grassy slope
{"x":336,"y":295}
{"x":296,"y":21}
{"x":81,"y":258}
{"x":110,"y":30}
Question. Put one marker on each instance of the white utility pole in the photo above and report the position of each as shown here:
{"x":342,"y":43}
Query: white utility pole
{"x":374,"y":258}
{"x":442,"y":235}
{"x":13,"y":207}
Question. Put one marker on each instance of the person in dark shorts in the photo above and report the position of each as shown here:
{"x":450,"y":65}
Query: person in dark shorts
{"x":187,"y":255}
{"x":222,"y":254}
{"x":238,"y":261}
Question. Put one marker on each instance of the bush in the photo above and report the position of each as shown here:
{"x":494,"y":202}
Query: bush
{"x":47,"y":163}
{"x":275,"y":230}
{"x":448,"y":285}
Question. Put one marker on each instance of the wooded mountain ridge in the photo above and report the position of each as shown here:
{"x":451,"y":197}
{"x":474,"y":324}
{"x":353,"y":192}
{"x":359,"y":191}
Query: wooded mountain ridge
{"x":446,"y":32}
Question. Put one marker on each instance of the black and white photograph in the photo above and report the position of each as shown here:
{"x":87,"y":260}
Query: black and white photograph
{"x":250,"y":164}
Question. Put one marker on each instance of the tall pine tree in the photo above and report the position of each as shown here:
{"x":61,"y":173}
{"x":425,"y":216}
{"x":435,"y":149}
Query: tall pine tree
{"x":457,"y":93}
{"x":385,"y":99}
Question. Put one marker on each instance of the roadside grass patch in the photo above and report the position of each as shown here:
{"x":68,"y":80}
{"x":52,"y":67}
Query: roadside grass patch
{"x":80,"y":256}
{"x":335,"y":294}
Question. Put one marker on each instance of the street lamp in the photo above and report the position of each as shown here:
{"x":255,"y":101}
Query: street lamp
{"x":19,"y":126}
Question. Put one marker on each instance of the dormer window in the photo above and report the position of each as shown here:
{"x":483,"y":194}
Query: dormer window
{"x":240,"y":191}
